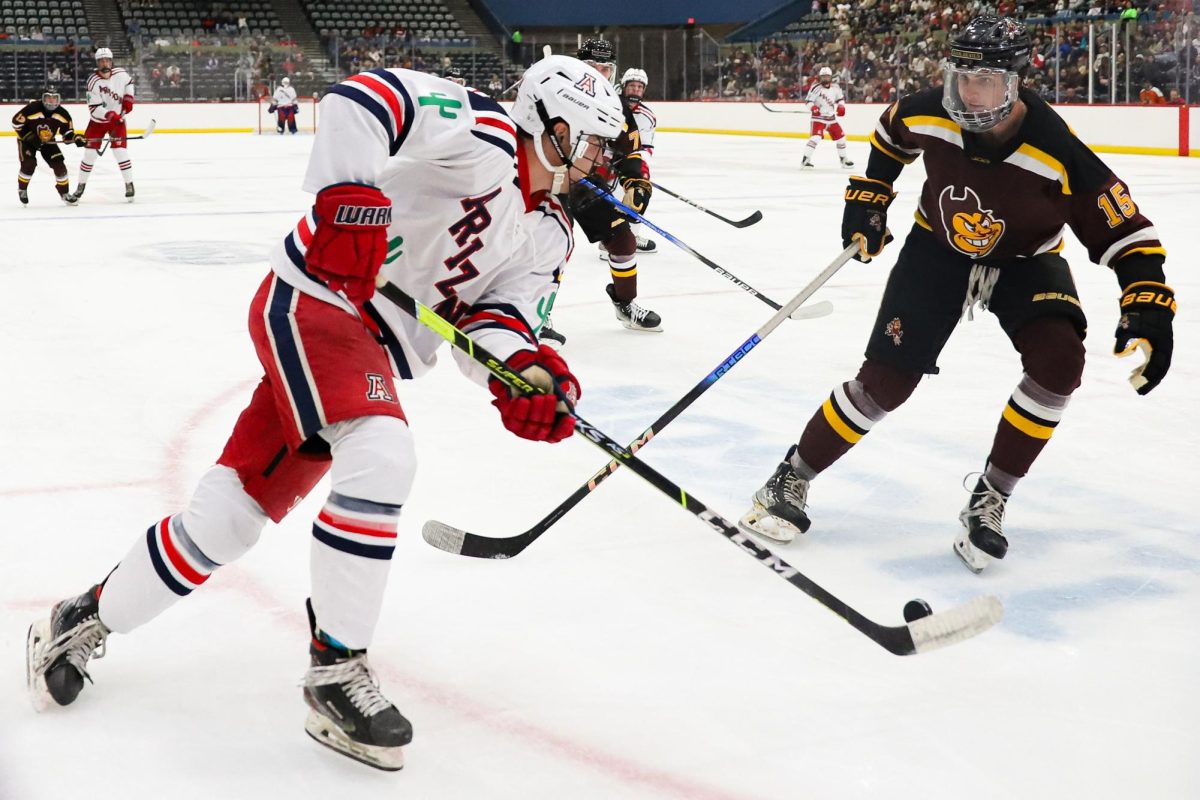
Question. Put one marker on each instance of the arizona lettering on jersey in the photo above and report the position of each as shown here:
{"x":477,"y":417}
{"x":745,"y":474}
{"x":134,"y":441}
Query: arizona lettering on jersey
{"x":105,"y":94}
{"x":825,"y":100}
{"x":463,"y":238}
{"x":1016,"y":200}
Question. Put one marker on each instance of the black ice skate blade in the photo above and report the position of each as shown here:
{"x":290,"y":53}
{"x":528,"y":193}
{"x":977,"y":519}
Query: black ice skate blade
{"x":388,"y":759}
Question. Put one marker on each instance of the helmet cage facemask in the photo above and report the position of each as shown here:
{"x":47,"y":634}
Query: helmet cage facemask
{"x":579,"y":145}
{"x":51,"y":104}
{"x":959,"y":110}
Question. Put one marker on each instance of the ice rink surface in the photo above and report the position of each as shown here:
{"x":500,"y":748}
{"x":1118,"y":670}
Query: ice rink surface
{"x":631,"y":652}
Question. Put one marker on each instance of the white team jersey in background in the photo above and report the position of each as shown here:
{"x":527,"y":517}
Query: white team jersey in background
{"x":105,"y":94}
{"x":462,"y":240}
{"x":826,"y":99}
{"x":285,"y":96}
{"x":647,"y":124}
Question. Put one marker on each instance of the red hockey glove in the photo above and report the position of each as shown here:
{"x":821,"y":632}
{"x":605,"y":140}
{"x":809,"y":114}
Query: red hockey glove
{"x":350,"y":242}
{"x":111,"y":118}
{"x":127,"y":104}
{"x":539,"y":417}
{"x":841,"y":111}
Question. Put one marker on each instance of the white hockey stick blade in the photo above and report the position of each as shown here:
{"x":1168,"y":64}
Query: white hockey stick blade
{"x":149,"y":129}
{"x":443,"y":536}
{"x":822,"y":309}
{"x":970,"y":619}
{"x":546,"y":53}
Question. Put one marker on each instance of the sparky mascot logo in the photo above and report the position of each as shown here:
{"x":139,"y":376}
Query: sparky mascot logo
{"x":587,"y":85}
{"x":894,"y":329}
{"x":970,"y":228}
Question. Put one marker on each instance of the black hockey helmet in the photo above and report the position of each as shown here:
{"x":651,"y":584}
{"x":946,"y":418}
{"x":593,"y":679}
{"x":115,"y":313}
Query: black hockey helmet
{"x":993,"y":42}
{"x":455,"y":75}
{"x":51,"y":99}
{"x":597,"y":51}
{"x":982,"y":73}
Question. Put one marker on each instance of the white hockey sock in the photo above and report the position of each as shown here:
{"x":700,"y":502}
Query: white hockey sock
{"x":85,"y":165}
{"x":126,"y":166}
{"x":354,"y":536}
{"x":811,"y":147}
{"x":841,"y":147}
{"x":179,"y":553}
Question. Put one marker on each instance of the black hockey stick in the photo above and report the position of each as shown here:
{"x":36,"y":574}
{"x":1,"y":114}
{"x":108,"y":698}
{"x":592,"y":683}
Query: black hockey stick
{"x":738,"y":223}
{"x":782,"y":110}
{"x":455,"y":540}
{"x":607,"y":197}
{"x":922,"y":635}
{"x":145,"y":134}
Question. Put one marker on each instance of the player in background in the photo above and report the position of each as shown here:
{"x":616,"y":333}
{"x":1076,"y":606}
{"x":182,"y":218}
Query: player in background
{"x":38,"y":126}
{"x":1005,"y":177}
{"x":633,"y":173}
{"x":827,"y":103}
{"x":454,"y":75}
{"x":109,"y":99}
{"x":284,"y":106}
{"x":444,"y":194}
{"x":603,"y":223}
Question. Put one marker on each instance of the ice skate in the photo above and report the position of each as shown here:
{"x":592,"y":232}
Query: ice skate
{"x":129,"y":191}
{"x":57,"y":649}
{"x":347,"y":712}
{"x":23,"y":196}
{"x":847,"y":163}
{"x":646,"y":246}
{"x":777,"y":510}
{"x":633,"y":316}
{"x":66,"y":198}
{"x":982,"y":538}
{"x":550,"y":336}
{"x":805,"y":163}
{"x":74,"y":196}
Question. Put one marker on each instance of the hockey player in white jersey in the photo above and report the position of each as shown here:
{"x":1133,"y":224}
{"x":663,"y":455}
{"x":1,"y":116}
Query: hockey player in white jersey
{"x":827,"y":103}
{"x":284,"y":106}
{"x":109,"y":99}
{"x":441,"y":192}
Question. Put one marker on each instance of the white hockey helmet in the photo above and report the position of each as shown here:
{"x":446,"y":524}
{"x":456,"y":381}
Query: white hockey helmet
{"x":285,"y":81}
{"x":564,"y":88}
{"x":825,"y":72}
{"x":103,"y":52}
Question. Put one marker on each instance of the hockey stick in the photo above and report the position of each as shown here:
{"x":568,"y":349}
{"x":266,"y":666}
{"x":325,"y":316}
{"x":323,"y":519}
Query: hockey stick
{"x":145,"y":134}
{"x":782,"y":110}
{"x":455,"y":540}
{"x":922,"y":635}
{"x":636,"y":217}
{"x":741,"y":223}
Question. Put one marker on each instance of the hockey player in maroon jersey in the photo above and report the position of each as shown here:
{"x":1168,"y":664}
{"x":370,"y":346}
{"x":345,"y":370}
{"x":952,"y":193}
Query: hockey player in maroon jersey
{"x":38,"y":126}
{"x":1005,"y":178}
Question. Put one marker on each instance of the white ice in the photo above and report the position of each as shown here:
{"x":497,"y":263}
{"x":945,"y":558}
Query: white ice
{"x":631,"y":652}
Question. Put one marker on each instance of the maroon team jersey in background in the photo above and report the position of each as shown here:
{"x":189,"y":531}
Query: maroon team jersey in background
{"x":997,"y":203}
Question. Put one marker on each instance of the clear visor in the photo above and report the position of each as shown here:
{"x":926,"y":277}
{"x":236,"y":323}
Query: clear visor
{"x":589,"y":153}
{"x":978,"y":98}
{"x":607,"y":69}
{"x":51,"y":101}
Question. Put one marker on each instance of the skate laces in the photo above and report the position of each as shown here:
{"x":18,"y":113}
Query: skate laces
{"x":986,"y":504}
{"x":85,"y":641}
{"x":635,"y":312}
{"x":790,"y":487}
{"x":357,"y":680}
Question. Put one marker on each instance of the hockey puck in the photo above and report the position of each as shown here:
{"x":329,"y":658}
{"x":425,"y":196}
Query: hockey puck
{"x":916,"y":609}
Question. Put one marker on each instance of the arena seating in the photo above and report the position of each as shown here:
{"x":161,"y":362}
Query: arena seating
{"x":424,"y":19}
{"x":49,"y":19}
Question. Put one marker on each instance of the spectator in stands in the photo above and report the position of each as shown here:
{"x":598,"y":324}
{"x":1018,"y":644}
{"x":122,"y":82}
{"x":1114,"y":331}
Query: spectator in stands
{"x":243,"y":26}
{"x":1175,"y":99}
{"x":1151,"y":95}
{"x":54,"y":76}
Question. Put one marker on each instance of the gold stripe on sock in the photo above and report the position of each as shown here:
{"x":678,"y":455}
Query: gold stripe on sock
{"x":841,"y":428}
{"x":1025,"y":426}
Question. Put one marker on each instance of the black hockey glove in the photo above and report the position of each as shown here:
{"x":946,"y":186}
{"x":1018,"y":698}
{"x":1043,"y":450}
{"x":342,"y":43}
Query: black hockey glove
{"x":637,"y":193}
{"x":68,"y":136}
{"x":1147,"y":309}
{"x":865,"y":217}
{"x":80,"y":141}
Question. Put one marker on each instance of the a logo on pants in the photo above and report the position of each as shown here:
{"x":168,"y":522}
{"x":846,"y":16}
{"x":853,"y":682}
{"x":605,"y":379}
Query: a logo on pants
{"x":377,"y":388}
{"x":970,"y":228}
{"x":894,"y":330}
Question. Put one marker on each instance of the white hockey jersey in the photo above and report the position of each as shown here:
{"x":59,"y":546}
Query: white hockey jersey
{"x":464,"y":240}
{"x":647,"y":123}
{"x":284,"y":96}
{"x":105,"y":94}
{"x":825,"y":101}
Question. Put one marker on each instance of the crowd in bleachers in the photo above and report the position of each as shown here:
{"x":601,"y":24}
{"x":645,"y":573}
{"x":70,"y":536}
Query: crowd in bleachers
{"x":880,"y":50}
{"x":481,"y":69}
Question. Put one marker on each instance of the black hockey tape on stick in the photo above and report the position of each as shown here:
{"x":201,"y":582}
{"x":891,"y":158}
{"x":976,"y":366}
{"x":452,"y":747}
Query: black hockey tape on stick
{"x":607,"y":197}
{"x":936,"y":630}
{"x":740,"y":223}
{"x":453,"y":540}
